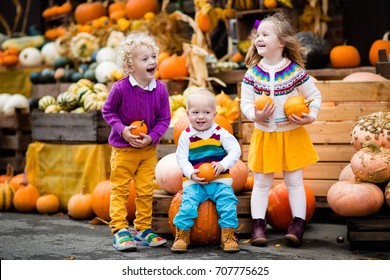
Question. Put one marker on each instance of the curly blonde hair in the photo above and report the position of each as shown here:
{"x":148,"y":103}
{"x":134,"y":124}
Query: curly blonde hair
{"x":127,"y":47}
{"x":293,"y":48}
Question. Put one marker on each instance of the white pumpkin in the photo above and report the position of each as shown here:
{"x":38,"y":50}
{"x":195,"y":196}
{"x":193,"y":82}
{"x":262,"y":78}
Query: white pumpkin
{"x":105,"y":54}
{"x":30,"y":57}
{"x":49,"y":53}
{"x":3,"y":99}
{"x":16,"y":101}
{"x":104,"y":71}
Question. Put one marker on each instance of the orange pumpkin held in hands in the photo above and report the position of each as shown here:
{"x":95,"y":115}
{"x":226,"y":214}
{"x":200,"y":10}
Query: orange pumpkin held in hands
{"x":140,"y":127}
{"x":262,"y":100}
{"x":296,"y":105}
{"x":206,"y":171}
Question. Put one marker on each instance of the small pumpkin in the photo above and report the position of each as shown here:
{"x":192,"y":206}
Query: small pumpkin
{"x":355,"y":199}
{"x":206,"y":171}
{"x":204,"y":22}
{"x":140,"y":127}
{"x":89,"y":11}
{"x":239,"y":173}
{"x":296,"y":105}
{"x":380,"y":44}
{"x":279,"y":214}
{"x":80,"y":206}
{"x":262,"y":100}
{"x":48,"y":204}
{"x":136,"y":9}
{"x":173,"y":67}
{"x":250,"y":180}
{"x":7,"y":191}
{"x":25,"y":199}
{"x":205,"y":230}
{"x":168,"y":174}
{"x":371,"y":163}
{"x":344,"y":56}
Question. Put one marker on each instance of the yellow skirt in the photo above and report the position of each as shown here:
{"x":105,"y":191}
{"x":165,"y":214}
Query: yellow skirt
{"x":271,"y":152}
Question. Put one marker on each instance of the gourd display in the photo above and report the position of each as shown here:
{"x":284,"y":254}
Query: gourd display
{"x":374,"y":127}
{"x":205,"y":230}
{"x":101,"y":201}
{"x":296,"y":105}
{"x":379,"y":44}
{"x":48,"y":204}
{"x":80,"y":206}
{"x":344,"y":56}
{"x":355,"y":199}
{"x":262,"y":100}
{"x":371,"y":163}
{"x":279,"y":214}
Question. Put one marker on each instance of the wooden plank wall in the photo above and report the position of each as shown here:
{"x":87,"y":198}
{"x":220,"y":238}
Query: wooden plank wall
{"x":331,"y":133}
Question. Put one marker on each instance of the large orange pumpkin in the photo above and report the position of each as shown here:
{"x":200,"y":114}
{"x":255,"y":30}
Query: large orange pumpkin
{"x":239,"y":173}
{"x":354,"y":199}
{"x":380,"y":44}
{"x":89,"y":11}
{"x":168,"y":174}
{"x":344,"y":56}
{"x":173,"y":67}
{"x":184,"y":122}
{"x":205,"y":230}
{"x":101,"y":201}
{"x":279,"y":214}
{"x":136,"y":9}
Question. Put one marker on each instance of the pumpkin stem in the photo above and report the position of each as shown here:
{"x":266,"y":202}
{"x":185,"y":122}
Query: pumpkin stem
{"x":24,"y":180}
{"x":374,"y":147}
{"x":307,"y":103}
{"x":141,"y":123}
{"x":386,"y":36}
{"x":10,"y":172}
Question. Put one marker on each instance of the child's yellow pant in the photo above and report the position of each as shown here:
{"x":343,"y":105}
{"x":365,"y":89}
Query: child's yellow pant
{"x":128,"y":164}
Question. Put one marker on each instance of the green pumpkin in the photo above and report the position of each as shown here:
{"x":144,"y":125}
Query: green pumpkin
{"x":63,"y":62}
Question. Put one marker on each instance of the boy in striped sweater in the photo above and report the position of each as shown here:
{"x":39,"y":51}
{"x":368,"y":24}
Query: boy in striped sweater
{"x":205,"y":141}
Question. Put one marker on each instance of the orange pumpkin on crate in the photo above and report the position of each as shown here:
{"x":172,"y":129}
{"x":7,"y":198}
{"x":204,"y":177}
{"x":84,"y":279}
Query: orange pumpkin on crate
{"x":205,"y":230}
{"x":279,"y":214}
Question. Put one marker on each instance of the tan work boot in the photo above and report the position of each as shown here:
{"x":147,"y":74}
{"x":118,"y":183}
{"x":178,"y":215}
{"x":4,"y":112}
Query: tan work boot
{"x":229,"y":241}
{"x":182,"y":239}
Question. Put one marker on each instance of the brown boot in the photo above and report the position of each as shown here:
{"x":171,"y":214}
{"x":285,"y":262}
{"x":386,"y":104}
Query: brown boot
{"x":182,"y":239}
{"x":295,"y":232}
{"x":229,"y":241}
{"x":259,"y":230}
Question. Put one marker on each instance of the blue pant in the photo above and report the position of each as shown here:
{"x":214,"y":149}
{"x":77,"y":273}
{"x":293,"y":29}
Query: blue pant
{"x":193,"y":195}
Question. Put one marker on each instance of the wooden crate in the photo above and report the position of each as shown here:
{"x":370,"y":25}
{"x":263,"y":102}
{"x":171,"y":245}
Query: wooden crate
{"x":15,"y":136}
{"x":371,"y":232}
{"x":70,"y":128}
{"x":162,"y":201}
{"x":331,"y":132}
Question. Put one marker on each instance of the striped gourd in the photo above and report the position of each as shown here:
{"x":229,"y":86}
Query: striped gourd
{"x":99,"y":87}
{"x":67,"y":101}
{"x":85,"y":83}
{"x":82,"y":93}
{"x":7,"y":192}
{"x":45,"y":101}
{"x":94,"y":102}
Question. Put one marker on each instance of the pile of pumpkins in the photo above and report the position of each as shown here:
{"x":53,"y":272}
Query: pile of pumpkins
{"x":17,"y":194}
{"x":364,"y":184}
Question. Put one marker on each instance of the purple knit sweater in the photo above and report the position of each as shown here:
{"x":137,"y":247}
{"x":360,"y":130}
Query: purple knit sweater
{"x":127,"y":103}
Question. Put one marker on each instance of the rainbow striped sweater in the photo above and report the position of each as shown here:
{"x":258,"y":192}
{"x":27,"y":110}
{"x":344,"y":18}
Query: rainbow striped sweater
{"x":215,"y":144}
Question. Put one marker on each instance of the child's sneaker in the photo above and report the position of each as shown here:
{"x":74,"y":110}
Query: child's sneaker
{"x":123,"y":241}
{"x":148,"y":238}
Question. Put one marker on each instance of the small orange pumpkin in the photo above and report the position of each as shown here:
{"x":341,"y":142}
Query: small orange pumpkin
{"x":206,"y":171}
{"x":279,"y":214}
{"x":250,"y":180}
{"x":344,"y":56}
{"x":25,"y":199}
{"x":80,"y":205}
{"x":89,"y":11}
{"x":173,"y":67}
{"x":296,"y":105}
{"x":205,"y":230}
{"x":262,"y":100}
{"x":383,"y":43}
{"x":140,"y":127}
{"x":204,"y":22}
{"x":48,"y":204}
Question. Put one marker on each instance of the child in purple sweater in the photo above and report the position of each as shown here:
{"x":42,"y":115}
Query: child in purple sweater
{"x":136,"y":97}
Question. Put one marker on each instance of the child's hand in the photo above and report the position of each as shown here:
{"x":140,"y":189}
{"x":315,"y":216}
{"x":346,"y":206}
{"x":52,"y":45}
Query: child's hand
{"x":218,"y":168}
{"x":305,"y":119}
{"x":141,"y":141}
{"x":194,"y":177}
{"x":262,"y":115}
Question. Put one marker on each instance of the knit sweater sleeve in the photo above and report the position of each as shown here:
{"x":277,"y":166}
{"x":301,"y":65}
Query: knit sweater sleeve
{"x":310,"y":92}
{"x":110,"y":110}
{"x":247,"y":102}
{"x":232,"y":148}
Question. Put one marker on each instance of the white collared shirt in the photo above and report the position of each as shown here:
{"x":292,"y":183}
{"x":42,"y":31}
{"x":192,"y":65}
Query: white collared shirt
{"x":151,"y":86}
